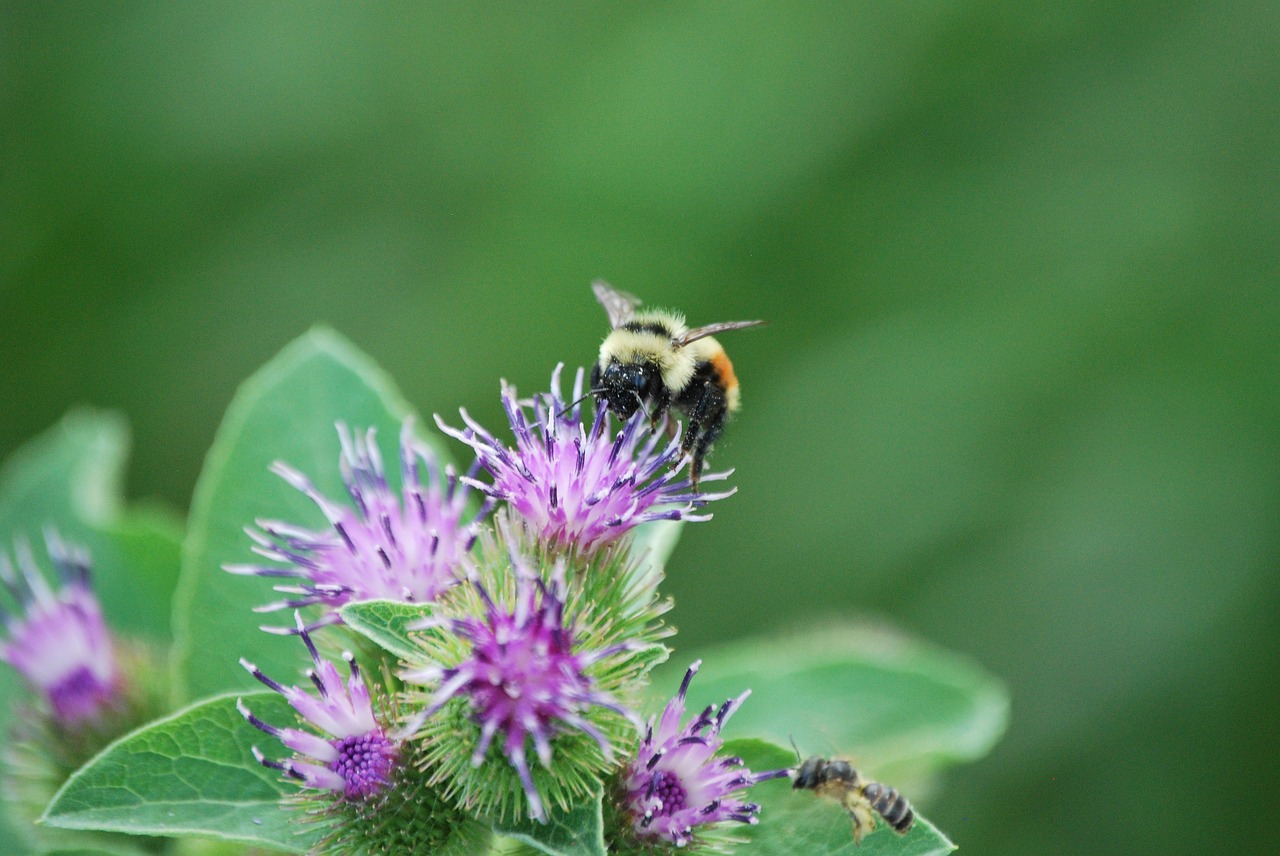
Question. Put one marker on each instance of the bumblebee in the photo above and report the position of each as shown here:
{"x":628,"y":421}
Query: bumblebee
{"x":838,"y":780}
{"x":651,"y":361}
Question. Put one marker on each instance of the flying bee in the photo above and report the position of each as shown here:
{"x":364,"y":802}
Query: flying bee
{"x":651,"y":361}
{"x":838,"y":780}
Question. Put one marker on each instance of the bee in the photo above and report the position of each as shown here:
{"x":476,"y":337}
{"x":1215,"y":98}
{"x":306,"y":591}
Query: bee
{"x":838,"y":780}
{"x":651,"y":361}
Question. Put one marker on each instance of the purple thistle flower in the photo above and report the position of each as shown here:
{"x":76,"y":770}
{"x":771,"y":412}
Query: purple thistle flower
{"x":524,"y":678}
{"x":575,"y":484}
{"x":403,"y":547}
{"x":675,"y":783}
{"x":356,"y":758}
{"x":59,"y":641}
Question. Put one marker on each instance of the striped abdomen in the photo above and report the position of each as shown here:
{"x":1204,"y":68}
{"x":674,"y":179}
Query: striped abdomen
{"x":890,"y":805}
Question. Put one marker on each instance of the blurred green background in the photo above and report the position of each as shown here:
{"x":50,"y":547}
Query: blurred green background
{"x":1019,"y":394}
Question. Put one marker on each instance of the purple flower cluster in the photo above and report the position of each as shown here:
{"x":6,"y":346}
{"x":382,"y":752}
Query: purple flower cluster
{"x":575,"y":484}
{"x":499,"y":651}
{"x":676,"y":784}
{"x":525,"y":679}
{"x":355,"y":760}
{"x":58,"y":641}
{"x":405,"y":546}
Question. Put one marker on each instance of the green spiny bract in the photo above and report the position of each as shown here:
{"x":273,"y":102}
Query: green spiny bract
{"x":530,"y":672}
{"x":409,"y":816}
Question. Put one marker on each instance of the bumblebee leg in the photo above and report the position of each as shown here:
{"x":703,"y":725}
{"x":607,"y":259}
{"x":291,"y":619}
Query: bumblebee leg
{"x":709,"y":422}
{"x":664,"y":423}
{"x":705,"y":407}
{"x":659,"y":414}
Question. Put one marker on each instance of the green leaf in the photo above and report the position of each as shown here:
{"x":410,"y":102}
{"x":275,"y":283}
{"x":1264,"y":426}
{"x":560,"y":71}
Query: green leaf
{"x":652,"y":546}
{"x":385,"y":623}
{"x":798,"y":822}
{"x":897,"y":707}
{"x":579,"y":832}
{"x":286,"y":412}
{"x":71,"y":478}
{"x":136,"y":564}
{"x":72,"y":471}
{"x":70,"y":842}
{"x":189,"y":774}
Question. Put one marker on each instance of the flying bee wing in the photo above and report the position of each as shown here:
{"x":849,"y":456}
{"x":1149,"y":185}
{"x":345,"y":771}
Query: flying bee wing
{"x":618,"y":304}
{"x":712,"y":329}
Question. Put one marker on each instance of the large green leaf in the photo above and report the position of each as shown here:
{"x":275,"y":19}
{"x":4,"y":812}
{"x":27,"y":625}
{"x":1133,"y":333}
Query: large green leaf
{"x":797,"y":823}
{"x":190,"y":774}
{"x":899,"y":707}
{"x":73,"y":470}
{"x":579,"y":832}
{"x":286,"y":412}
{"x":69,"y":478}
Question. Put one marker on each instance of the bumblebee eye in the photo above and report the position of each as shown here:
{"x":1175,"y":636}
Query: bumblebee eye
{"x":639,"y":381}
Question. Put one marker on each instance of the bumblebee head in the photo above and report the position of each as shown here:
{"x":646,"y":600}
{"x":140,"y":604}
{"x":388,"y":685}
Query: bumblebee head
{"x":625,"y":387}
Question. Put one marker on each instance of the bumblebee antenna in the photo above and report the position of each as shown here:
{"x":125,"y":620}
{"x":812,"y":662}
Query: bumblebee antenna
{"x":643,"y":409}
{"x":792,"y":738}
{"x":578,"y":401}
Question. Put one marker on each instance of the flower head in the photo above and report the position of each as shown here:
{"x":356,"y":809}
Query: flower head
{"x":523,"y":676}
{"x":400,"y":547}
{"x":676,"y":784}
{"x":356,"y":758}
{"x":59,"y":641}
{"x":574,"y":483}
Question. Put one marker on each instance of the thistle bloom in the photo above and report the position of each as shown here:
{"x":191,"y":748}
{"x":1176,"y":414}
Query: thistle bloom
{"x":675,"y":783}
{"x":575,"y":484}
{"x":59,"y":641}
{"x":523,"y":679}
{"x":403,"y":547}
{"x":355,"y":760}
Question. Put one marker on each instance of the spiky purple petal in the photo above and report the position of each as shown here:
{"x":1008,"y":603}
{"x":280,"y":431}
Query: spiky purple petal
{"x":675,"y":784}
{"x":525,"y":679}
{"x":356,"y":756}
{"x":575,"y":484}
{"x":59,"y":642}
{"x":379,"y":544}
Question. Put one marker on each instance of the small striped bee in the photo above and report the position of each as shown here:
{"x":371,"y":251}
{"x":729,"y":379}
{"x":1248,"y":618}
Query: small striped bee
{"x":838,"y":780}
{"x":651,"y":361}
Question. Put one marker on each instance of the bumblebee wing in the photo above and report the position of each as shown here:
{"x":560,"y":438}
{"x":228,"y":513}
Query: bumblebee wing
{"x":712,"y":329}
{"x":618,"y":304}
